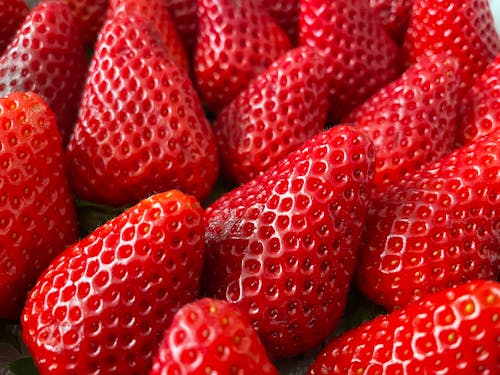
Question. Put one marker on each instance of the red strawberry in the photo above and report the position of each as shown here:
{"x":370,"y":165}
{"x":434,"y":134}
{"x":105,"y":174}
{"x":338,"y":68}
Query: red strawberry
{"x":394,"y":15}
{"x":186,"y":21}
{"x":101,"y":307}
{"x":237,"y":39}
{"x":436,"y":228}
{"x":46,"y":57}
{"x":413,"y":119}
{"x":463,"y":29}
{"x":481,"y":110}
{"x":452,"y":332}
{"x":141,"y":127}
{"x":37,"y":217}
{"x":282,"y":247}
{"x":12,"y":14}
{"x":156,"y":13}
{"x":362,"y":57}
{"x":211,"y":337}
{"x":286,"y":14}
{"x":89,"y":16}
{"x":281,"y":109}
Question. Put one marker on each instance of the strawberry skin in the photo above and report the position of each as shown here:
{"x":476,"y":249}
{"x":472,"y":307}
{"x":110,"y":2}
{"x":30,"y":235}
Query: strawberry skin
{"x":451,"y":332}
{"x":89,"y":15}
{"x":12,"y":14}
{"x":286,"y":13}
{"x":280,"y":109}
{"x":211,"y":337}
{"x":394,"y":16}
{"x":412,"y":121}
{"x":101,"y":307}
{"x":283,"y":246}
{"x":436,"y":228}
{"x":37,"y":217}
{"x":237,"y":40}
{"x":141,"y":127}
{"x":185,"y":18}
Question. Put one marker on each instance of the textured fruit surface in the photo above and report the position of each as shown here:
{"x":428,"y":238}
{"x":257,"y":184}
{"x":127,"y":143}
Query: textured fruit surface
{"x":12,"y":14}
{"x":186,"y":20}
{"x":286,"y":13}
{"x":394,"y":15}
{"x":211,"y":337}
{"x":141,"y":127}
{"x":89,"y":16}
{"x":282,"y":247}
{"x":280,"y":109}
{"x":37,"y":217}
{"x":101,"y":307}
{"x":436,"y":228}
{"x":456,"y":331}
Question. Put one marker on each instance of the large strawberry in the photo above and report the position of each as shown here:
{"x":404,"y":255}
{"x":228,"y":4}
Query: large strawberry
{"x":394,"y":15}
{"x":412,"y":120}
{"x":89,"y":15}
{"x":211,"y":337}
{"x":12,"y":14}
{"x":436,"y":228}
{"x":451,"y":332}
{"x":46,"y":57}
{"x":37,"y":217}
{"x":101,"y":307}
{"x":141,"y":127}
{"x":286,"y":13}
{"x":283,"y":246}
{"x":280,"y":109}
{"x":237,"y":39}
{"x":186,"y":21}
{"x":362,"y":57}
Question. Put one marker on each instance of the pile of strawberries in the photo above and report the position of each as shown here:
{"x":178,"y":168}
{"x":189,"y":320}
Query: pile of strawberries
{"x":360,"y":140}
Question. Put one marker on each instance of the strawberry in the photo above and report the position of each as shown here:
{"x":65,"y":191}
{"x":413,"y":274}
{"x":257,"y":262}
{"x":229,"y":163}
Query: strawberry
{"x":37,"y":217}
{"x":412,"y":120}
{"x":463,"y":29}
{"x":141,"y":128}
{"x":89,"y":15}
{"x":12,"y":14}
{"x":211,"y":337}
{"x":282,"y":247}
{"x":183,"y":12}
{"x":361,"y":56}
{"x":438,"y":227}
{"x":156,"y":13}
{"x":101,"y":307}
{"x":237,"y":40}
{"x":280,"y":109}
{"x":451,"y":332}
{"x":46,"y":57}
{"x":394,"y":16}
{"x":286,"y":14}
{"x":481,"y":109}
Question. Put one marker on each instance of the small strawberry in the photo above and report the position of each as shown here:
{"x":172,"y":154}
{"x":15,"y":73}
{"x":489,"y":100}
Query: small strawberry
{"x":280,"y":109}
{"x":101,"y":307}
{"x":394,"y":15}
{"x":412,"y":121}
{"x":12,"y":14}
{"x":37,"y":217}
{"x":362,"y":57}
{"x":141,"y":128}
{"x":211,"y":337}
{"x":283,"y":247}
{"x":286,"y":13}
{"x":436,"y":228}
{"x":183,"y":12}
{"x":46,"y":57}
{"x":89,"y":15}
{"x":237,"y":39}
{"x":452,"y":332}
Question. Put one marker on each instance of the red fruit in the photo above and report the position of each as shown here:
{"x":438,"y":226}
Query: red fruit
{"x":12,"y":14}
{"x":37,"y":217}
{"x":361,"y":56}
{"x":199,"y":331}
{"x":452,"y":332}
{"x":141,"y":127}
{"x":412,"y":121}
{"x":436,"y":228}
{"x":280,"y":109}
{"x":394,"y":16}
{"x":89,"y":15}
{"x":282,"y":247}
{"x":46,"y":57}
{"x":186,"y":20}
{"x":102,"y":306}
{"x":237,"y":40}
{"x":463,"y":29}
{"x":286,"y":14}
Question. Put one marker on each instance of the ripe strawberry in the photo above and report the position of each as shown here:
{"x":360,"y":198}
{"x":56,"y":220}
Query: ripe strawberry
{"x":101,"y":307}
{"x":47,"y":57}
{"x":280,"y":109}
{"x":436,"y":228}
{"x":12,"y":14}
{"x":89,"y":15}
{"x":37,"y":217}
{"x":286,"y":14}
{"x":412,"y":120}
{"x":211,"y":337}
{"x":282,"y":247}
{"x":362,"y":57}
{"x":185,"y":18}
{"x":236,"y":41}
{"x":452,"y":332}
{"x":141,"y":127}
{"x":394,"y":15}
{"x":463,"y":29}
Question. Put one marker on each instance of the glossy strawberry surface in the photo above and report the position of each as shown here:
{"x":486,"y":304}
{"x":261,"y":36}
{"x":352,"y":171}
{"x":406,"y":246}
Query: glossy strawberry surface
{"x":394,"y":15}
{"x":89,"y":16}
{"x":12,"y":14}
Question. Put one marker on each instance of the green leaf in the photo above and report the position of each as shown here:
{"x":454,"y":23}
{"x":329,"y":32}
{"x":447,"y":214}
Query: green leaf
{"x":23,"y":366}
